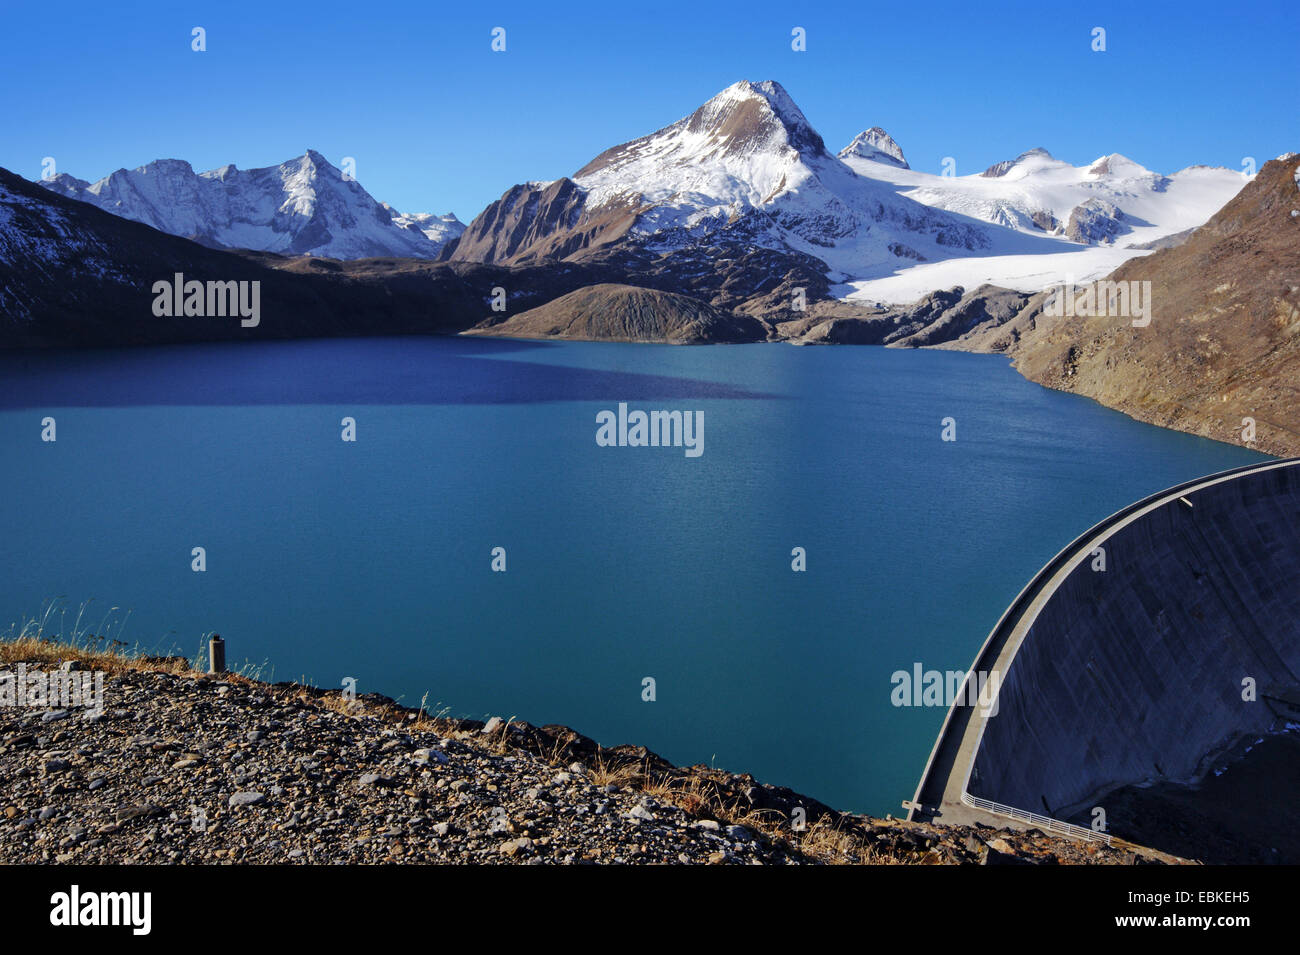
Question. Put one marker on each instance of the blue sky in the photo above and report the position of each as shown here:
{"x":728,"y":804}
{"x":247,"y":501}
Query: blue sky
{"x":438,"y":122}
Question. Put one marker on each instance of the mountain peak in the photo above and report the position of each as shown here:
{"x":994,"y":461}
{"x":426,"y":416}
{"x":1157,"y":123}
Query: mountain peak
{"x":1117,"y":165}
{"x":876,"y":145}
{"x":746,"y":144}
{"x":64,"y":182}
{"x":776,"y":97}
{"x":164,"y":166}
{"x":221,"y":173}
{"x":310,"y":160}
{"x":750,"y":117}
{"x":999,"y":169}
{"x":438,"y":229}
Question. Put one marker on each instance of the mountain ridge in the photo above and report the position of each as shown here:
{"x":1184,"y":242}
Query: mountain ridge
{"x":749,"y":165}
{"x":746,"y":169}
{"x":303,"y":206}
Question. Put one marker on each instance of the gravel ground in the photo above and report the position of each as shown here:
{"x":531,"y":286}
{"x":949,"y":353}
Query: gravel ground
{"x":185,"y":768}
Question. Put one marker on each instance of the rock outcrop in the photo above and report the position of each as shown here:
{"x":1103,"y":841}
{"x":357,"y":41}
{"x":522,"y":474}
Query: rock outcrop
{"x":625,"y":313}
{"x":1094,"y":222}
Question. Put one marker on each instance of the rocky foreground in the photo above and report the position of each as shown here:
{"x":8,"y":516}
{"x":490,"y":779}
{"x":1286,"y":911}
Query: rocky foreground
{"x":181,"y":767}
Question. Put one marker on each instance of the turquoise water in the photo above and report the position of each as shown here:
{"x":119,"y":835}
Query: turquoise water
{"x":371,"y":559}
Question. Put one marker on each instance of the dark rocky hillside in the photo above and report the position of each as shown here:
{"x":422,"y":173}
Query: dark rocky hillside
{"x":625,"y":313}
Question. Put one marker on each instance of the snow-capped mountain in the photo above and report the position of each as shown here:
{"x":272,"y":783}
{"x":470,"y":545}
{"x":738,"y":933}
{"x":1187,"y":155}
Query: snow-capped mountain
{"x":746,"y":166}
{"x":749,"y":161}
{"x":305,"y":206}
{"x":437,"y":229}
{"x":1112,"y":200}
{"x":1107,"y":212}
{"x":746,"y":172}
{"x":876,"y":145}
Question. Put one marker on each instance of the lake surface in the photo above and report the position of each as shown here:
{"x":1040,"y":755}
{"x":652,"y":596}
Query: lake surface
{"x":371,"y":559}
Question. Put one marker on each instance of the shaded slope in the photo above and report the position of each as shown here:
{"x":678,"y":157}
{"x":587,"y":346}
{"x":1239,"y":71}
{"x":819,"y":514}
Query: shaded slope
{"x":74,"y":275}
{"x":625,"y":313}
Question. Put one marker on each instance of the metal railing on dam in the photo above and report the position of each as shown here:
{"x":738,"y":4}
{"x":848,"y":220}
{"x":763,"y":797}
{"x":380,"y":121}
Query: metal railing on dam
{"x":1105,"y":660}
{"x":1046,"y":823}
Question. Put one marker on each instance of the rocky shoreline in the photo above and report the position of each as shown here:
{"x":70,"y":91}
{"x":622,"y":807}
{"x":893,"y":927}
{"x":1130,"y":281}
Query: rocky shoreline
{"x":179,"y":767}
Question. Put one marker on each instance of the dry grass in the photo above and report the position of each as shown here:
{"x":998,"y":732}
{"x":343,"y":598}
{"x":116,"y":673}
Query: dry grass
{"x":829,"y":842}
{"x":499,"y":740}
{"x":51,"y":639}
{"x":559,"y":754}
{"x":612,"y":772}
{"x":41,"y":650}
{"x":37,"y":642}
{"x":823,"y":841}
{"x":335,"y":702}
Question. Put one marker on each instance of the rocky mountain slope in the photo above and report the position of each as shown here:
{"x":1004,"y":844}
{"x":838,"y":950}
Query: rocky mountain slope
{"x":185,"y":768}
{"x":304,"y":206}
{"x":624,"y":313}
{"x":1224,"y":340}
{"x":934,"y":319}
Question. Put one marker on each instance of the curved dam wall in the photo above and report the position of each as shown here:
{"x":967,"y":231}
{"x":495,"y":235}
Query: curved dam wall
{"x":1135,"y":672}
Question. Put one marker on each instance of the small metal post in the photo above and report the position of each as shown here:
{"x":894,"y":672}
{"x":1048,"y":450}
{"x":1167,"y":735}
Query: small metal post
{"x":216,"y":654}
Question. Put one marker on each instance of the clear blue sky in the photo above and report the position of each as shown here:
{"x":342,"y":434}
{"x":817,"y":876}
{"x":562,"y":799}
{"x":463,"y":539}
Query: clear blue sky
{"x":438,"y":122}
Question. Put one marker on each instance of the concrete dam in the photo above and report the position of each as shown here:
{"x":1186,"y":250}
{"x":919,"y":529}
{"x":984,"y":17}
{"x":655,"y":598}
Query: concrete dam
{"x":1145,"y":651}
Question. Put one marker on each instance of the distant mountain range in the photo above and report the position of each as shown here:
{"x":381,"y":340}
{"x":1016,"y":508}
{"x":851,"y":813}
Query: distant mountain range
{"x":744,"y":171}
{"x":305,"y":206}
{"x":747,"y":166}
